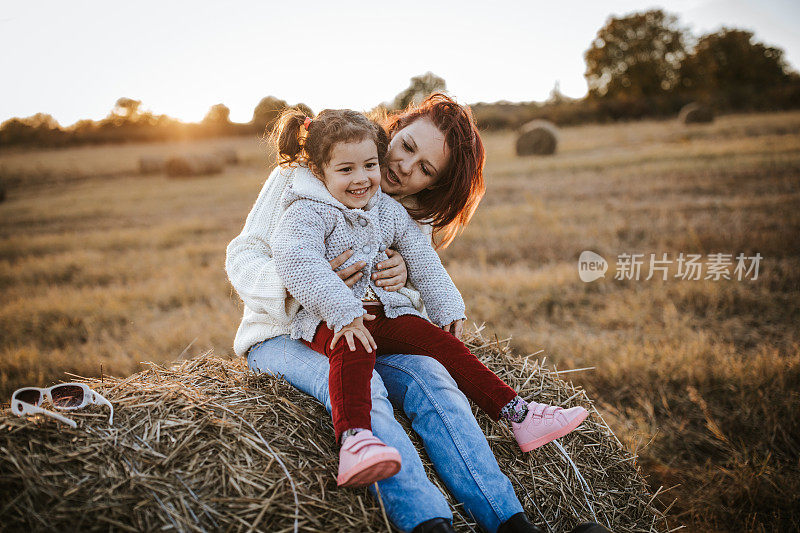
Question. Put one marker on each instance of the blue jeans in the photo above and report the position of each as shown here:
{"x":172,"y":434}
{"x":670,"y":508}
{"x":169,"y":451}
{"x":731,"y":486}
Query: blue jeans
{"x":439,"y":413}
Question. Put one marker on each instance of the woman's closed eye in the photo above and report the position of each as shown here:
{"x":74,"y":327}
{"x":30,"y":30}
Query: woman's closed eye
{"x":424,"y":168}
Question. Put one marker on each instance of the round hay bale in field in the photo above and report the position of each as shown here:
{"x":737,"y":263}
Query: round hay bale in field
{"x":205,"y":444}
{"x":193,"y":165}
{"x":695,"y":113}
{"x":538,"y":137}
{"x":228,"y":156}
{"x":151,"y":165}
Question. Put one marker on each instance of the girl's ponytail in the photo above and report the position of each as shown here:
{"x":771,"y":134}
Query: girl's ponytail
{"x":287,"y":136}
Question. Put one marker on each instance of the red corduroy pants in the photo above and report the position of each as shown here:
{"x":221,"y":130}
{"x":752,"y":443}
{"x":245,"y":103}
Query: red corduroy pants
{"x":351,"y":371}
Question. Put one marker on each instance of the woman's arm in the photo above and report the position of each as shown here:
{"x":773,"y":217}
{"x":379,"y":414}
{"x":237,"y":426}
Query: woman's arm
{"x":392,"y":273}
{"x":248,"y":258}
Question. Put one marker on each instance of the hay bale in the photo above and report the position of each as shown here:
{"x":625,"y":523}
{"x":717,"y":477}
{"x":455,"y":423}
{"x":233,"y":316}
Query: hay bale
{"x":205,"y":444}
{"x":695,"y":113}
{"x":538,"y":137}
{"x":193,"y":165}
{"x":151,"y":165}
{"x":228,"y":156}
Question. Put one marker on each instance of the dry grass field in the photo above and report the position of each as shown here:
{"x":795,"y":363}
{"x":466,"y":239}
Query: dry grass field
{"x":701,"y":378}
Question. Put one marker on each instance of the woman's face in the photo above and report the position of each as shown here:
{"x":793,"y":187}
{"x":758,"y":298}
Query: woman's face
{"x":417,"y":157}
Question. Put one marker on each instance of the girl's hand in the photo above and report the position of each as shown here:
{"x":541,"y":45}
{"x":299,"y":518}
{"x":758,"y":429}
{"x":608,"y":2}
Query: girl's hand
{"x":392,"y":273}
{"x":456,"y":328}
{"x":356,"y":328}
{"x":351,"y":274}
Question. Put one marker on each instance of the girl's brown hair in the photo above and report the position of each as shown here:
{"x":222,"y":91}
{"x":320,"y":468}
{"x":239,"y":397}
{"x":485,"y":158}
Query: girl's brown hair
{"x":449,"y":205}
{"x":313,"y":147}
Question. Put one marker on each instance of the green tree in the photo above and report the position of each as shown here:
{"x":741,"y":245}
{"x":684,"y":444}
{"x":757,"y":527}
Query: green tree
{"x":635,"y":56}
{"x":40,"y":128}
{"x":218,"y":114}
{"x":730,"y":67}
{"x":418,"y":89}
{"x":267,"y":112}
{"x":127,"y":108}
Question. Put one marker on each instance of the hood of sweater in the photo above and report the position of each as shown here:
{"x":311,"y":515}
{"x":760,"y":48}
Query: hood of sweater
{"x":307,"y":186}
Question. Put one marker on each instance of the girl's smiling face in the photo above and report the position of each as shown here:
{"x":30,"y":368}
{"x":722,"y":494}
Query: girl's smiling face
{"x":417,"y":157}
{"x":352,"y":175}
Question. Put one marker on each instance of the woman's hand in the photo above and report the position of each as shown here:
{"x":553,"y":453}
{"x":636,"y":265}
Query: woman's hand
{"x":351,"y":274}
{"x":392,"y":273}
{"x":356,"y":328}
{"x":456,"y":328}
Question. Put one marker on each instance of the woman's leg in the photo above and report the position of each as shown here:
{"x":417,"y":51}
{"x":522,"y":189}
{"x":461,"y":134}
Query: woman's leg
{"x":442,"y":417}
{"x":409,"y":496}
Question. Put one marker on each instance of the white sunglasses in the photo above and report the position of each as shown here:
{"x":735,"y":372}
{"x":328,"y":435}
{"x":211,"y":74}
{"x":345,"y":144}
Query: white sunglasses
{"x":67,"y":396}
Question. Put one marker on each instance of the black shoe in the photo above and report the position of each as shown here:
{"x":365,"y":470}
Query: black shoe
{"x":589,"y":527}
{"x":434,"y":525}
{"x":518,"y":523}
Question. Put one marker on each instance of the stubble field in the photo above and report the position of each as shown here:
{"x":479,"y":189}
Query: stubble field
{"x":102,"y":266}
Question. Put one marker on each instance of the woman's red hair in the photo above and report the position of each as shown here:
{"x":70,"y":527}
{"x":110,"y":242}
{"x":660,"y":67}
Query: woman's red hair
{"x":452,"y":201}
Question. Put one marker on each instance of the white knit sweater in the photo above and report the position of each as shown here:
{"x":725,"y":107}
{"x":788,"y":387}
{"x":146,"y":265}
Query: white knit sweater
{"x":268,"y":307}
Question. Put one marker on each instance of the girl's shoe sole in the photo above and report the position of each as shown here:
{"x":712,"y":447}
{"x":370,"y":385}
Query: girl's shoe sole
{"x":369,"y":471}
{"x":541,"y":441}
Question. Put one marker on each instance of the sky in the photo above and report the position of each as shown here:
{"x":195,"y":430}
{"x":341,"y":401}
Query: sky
{"x":74,"y":59}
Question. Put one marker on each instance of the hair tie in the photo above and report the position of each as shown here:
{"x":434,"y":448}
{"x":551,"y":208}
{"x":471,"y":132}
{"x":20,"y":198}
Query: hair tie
{"x":307,"y":123}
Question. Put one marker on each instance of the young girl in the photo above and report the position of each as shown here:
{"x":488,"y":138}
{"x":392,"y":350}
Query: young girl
{"x":343,"y":208}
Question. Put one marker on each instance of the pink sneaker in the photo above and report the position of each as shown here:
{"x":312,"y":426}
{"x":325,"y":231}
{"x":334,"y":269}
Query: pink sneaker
{"x":545,"y":423}
{"x":364,"y":459}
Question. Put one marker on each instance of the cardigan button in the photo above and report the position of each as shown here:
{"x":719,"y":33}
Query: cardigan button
{"x":362,"y":221}
{"x":366,"y":249}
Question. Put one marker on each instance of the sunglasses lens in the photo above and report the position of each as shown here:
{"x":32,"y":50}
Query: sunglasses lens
{"x":31,"y":396}
{"x":67,"y":395}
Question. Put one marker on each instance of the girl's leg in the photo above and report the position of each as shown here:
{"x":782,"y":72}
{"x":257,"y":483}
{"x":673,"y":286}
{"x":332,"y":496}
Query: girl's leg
{"x":409,"y":496}
{"x":348,"y":380}
{"x":413,"y":335}
{"x":533,"y":424}
{"x":442,"y":417}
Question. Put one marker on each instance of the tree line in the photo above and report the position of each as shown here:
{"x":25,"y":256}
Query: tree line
{"x":646,"y":65}
{"x":127,"y":121}
{"x":639,"y":65}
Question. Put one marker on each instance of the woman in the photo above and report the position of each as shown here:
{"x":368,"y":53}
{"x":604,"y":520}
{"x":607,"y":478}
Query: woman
{"x":433,"y":145}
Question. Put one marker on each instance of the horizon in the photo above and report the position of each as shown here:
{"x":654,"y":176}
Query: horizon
{"x":191,"y":56}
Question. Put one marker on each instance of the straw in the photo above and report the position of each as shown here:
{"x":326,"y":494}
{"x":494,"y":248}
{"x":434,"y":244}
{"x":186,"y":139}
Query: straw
{"x":205,"y":444}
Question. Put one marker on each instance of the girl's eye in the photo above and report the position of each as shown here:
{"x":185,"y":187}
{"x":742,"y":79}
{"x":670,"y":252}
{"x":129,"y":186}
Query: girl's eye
{"x":372,"y":165}
{"x":344,"y":169}
{"x":407,"y":146}
{"x":425,"y":170}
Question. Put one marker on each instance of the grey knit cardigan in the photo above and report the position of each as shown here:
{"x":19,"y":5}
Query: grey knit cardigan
{"x":316,"y":228}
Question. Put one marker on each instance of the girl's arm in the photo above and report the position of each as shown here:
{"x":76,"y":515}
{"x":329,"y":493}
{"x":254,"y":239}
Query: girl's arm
{"x":298,"y":244}
{"x":408,"y":288}
{"x":443,"y":302}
